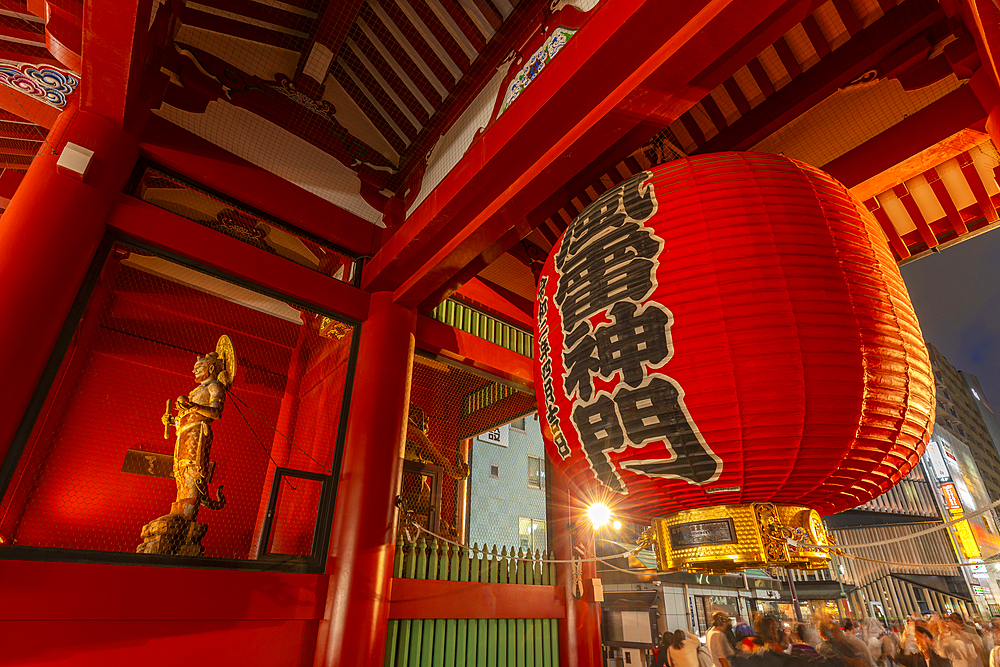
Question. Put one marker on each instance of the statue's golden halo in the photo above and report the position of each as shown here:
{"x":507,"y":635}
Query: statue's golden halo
{"x":224,"y":348}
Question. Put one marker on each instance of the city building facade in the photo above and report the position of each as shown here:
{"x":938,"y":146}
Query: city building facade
{"x":959,"y":413}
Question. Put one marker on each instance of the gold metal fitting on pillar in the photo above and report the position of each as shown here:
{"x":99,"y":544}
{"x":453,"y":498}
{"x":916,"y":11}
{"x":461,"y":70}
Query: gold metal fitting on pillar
{"x":736,"y":537}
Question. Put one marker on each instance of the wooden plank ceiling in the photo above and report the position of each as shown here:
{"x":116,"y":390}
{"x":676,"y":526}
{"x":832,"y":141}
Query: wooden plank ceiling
{"x":398,"y":60}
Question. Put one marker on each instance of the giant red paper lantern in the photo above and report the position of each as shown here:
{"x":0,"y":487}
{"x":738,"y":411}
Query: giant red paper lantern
{"x":729,"y":329}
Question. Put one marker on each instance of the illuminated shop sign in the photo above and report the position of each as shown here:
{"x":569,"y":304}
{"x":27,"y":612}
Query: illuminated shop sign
{"x":951,"y":497}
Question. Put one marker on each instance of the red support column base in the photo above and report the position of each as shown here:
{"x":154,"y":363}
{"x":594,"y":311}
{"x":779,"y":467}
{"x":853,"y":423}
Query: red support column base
{"x":362,"y":543}
{"x":580,"y":632}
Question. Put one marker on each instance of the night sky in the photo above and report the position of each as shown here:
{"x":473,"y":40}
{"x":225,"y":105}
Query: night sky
{"x":956,"y":294}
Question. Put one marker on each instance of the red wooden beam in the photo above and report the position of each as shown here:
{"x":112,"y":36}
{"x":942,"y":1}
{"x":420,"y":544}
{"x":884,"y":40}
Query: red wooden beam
{"x":616,"y":73}
{"x":848,"y":16}
{"x":787,"y":57}
{"x":371,"y":25}
{"x":205,"y":163}
{"x":227,"y":26}
{"x":437,"y":338}
{"x":978,"y":189}
{"x":500,"y":301}
{"x":815,"y":35}
{"x":144,"y":222}
{"x":736,"y":94}
{"x":18,"y":147}
{"x":914,"y":211}
{"x":416,"y":39}
{"x":6,"y":116}
{"x":9,"y":181}
{"x":19,"y":30}
{"x":526,"y":18}
{"x":736,"y":56}
{"x":692,"y":127}
{"x":845,"y":64}
{"x":441,"y":34}
{"x":428,"y":598}
{"x":360,"y":39}
{"x":363,"y":74}
{"x":14,"y":161}
{"x":944,"y":198}
{"x":895,"y":240}
{"x":36,"y":55}
{"x":329,"y":31}
{"x":371,"y":112}
{"x":113,"y":51}
{"x":983,"y":20}
{"x":475,"y":36}
{"x":714,"y":112}
{"x":760,"y":77}
{"x":21,"y":130}
{"x":932,"y":124}
{"x":52,"y":591}
{"x":858,"y":55}
{"x":261,"y":12}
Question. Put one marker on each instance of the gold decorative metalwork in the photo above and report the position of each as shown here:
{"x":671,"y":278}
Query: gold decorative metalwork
{"x":331,"y":328}
{"x":728,"y":538}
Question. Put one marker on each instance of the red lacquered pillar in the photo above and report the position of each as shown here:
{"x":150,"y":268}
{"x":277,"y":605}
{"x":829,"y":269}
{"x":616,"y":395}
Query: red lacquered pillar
{"x":580,"y":631}
{"x":48,"y":237}
{"x":364,"y":521}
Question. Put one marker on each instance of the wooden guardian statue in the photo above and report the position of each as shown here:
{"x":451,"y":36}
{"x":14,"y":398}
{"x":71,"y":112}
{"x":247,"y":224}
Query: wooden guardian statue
{"x":179,"y":533}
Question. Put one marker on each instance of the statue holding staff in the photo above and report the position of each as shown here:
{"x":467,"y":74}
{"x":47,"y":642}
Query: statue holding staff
{"x":178,"y":532}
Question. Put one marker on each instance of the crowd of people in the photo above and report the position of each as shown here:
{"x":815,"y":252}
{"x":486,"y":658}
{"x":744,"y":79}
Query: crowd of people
{"x":931,"y":641}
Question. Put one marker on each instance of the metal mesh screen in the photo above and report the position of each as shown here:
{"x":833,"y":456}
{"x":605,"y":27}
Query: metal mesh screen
{"x":101,"y":472}
{"x":475,"y":459}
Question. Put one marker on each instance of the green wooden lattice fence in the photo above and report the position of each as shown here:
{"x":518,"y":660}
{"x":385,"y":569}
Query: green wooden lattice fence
{"x":481,"y":325}
{"x":504,"y":642}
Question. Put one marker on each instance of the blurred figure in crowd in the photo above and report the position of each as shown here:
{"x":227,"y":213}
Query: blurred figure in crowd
{"x":798,"y":647}
{"x":717,"y":640}
{"x":743,"y":628}
{"x":683,"y":650}
{"x":926,"y":654}
{"x":836,"y":647}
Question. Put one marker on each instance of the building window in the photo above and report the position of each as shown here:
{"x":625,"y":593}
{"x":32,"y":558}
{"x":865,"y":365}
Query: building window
{"x":518,"y":424}
{"x":495,"y":472}
{"x":536,"y":473}
{"x":532,"y":534}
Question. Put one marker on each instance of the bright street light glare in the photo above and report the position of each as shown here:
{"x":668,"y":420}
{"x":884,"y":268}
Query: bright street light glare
{"x":599,"y":514}
{"x":617,"y":525}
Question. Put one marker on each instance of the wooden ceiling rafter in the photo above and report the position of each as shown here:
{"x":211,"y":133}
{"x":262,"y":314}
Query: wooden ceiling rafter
{"x":197,"y":18}
{"x":376,"y":38}
{"x":895,"y":240}
{"x":903,"y":193}
{"x":261,"y":12}
{"x":835,"y":69}
{"x":933,"y":177}
{"x":492,"y":227}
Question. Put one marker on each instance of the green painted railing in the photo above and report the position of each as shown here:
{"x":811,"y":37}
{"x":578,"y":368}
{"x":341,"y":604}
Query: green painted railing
{"x":492,"y":642}
{"x":471,"y":320}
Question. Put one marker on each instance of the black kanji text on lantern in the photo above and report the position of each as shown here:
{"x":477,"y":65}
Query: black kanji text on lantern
{"x":607,"y":263}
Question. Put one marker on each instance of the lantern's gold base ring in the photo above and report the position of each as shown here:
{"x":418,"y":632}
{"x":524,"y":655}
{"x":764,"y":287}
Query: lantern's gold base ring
{"x":729,"y":538}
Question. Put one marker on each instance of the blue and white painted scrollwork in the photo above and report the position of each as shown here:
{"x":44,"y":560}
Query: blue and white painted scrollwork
{"x":42,"y":82}
{"x":538,"y":60}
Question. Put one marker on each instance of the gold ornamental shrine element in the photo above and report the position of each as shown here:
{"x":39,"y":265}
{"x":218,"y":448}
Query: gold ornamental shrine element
{"x":725,"y":538}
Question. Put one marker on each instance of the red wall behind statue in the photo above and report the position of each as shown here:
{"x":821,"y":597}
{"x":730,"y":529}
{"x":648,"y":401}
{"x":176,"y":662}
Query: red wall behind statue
{"x":138,"y":358}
